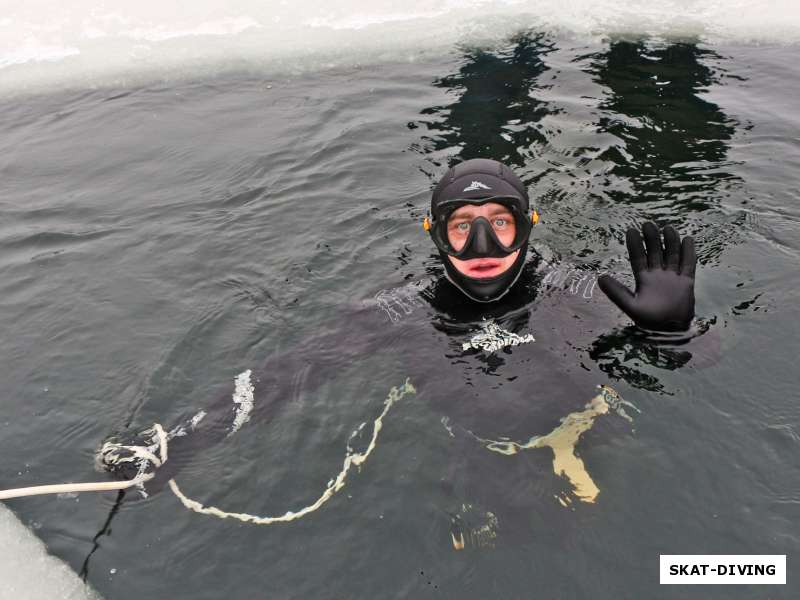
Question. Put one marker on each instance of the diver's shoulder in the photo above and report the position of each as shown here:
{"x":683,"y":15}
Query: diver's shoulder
{"x":398,"y":302}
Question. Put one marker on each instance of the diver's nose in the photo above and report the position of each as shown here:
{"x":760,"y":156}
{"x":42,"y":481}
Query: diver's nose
{"x":482,"y":242}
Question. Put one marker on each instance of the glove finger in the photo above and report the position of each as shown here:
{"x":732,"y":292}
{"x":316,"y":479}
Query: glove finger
{"x":617,"y":293}
{"x":652,"y":241}
{"x":635,"y":252}
{"x":672,"y":248}
{"x":688,"y":257}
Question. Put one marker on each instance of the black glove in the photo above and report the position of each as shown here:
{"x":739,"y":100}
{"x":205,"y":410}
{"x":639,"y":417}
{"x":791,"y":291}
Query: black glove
{"x":664,"y":299}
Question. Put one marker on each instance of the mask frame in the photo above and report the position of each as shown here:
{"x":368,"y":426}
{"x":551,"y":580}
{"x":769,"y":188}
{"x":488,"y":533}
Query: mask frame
{"x":523,"y":222}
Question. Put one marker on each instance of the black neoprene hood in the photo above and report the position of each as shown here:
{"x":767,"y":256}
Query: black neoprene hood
{"x":476,"y":181}
{"x":479,"y":178}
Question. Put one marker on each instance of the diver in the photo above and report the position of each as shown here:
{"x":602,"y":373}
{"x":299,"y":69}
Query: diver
{"x":487,"y":377}
{"x":481,"y":222}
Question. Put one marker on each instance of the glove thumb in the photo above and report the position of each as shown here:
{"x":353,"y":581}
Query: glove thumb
{"x":617,"y":293}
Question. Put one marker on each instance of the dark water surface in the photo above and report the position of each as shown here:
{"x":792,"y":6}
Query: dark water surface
{"x":156,"y":242}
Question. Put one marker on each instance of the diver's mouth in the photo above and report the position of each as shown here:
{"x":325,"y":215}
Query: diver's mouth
{"x":482,"y":268}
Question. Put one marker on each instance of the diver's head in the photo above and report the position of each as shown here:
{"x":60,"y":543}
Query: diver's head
{"x":480,"y":222}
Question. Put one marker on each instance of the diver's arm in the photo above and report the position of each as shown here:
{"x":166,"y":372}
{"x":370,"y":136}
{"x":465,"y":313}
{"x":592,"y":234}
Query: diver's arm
{"x":258,"y":395}
{"x":318,"y":358}
{"x":664,"y":297}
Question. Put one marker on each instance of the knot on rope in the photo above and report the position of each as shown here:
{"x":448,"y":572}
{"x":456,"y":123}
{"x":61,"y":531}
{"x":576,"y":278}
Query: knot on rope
{"x":135,"y":462}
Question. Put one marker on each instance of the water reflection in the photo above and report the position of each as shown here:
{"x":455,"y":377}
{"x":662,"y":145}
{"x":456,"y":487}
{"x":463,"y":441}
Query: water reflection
{"x":673,"y":142}
{"x":619,"y":354}
{"x":496,"y":113}
{"x":632,"y":355}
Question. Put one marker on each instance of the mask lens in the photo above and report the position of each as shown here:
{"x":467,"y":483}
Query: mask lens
{"x":501,"y":219}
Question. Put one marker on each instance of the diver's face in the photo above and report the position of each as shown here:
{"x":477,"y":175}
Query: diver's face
{"x":502,"y":222}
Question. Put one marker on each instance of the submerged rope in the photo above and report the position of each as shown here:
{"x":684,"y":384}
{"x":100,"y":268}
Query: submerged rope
{"x":334,"y":485}
{"x":146,"y":456}
{"x":563,"y":439}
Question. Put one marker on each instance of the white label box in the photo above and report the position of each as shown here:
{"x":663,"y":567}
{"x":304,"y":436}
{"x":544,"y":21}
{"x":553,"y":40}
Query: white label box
{"x":716,"y":569}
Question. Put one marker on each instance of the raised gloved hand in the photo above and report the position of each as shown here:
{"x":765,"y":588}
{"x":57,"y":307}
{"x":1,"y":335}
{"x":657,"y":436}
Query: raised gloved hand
{"x":664,"y":298}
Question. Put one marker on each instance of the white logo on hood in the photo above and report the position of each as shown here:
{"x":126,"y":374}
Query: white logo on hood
{"x":476,"y":185}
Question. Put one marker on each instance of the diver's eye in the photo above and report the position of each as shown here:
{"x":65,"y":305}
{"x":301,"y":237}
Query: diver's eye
{"x":462,"y":227}
{"x":501,"y":222}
